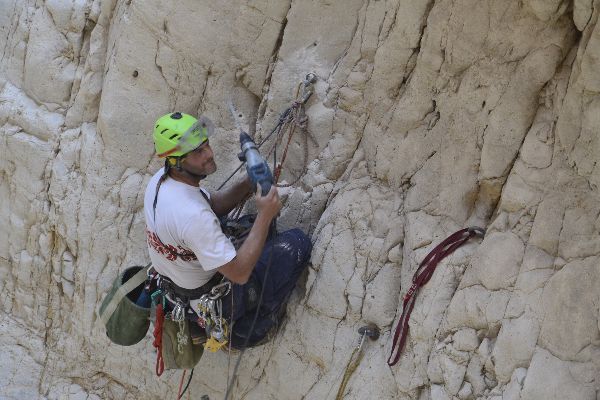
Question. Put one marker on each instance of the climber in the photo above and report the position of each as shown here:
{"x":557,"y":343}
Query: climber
{"x":191,"y":253}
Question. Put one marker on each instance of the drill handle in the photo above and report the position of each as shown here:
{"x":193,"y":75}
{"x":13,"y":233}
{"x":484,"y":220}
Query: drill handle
{"x":261,"y":174}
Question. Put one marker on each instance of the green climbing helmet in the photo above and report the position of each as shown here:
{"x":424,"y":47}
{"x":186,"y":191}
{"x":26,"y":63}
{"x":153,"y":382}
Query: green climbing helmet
{"x":177,"y":134}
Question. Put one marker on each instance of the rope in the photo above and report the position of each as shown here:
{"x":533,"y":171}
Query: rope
{"x":420,"y":278}
{"x":181,"y":384}
{"x":229,"y":349}
{"x":158,"y":329}
{"x":262,"y":290}
{"x":288,"y":120}
{"x":187,"y":385}
{"x":350,"y":368}
{"x":278,"y":126}
{"x":284,"y":121}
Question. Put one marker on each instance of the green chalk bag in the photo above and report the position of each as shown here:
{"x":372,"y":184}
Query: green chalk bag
{"x":126,"y":323}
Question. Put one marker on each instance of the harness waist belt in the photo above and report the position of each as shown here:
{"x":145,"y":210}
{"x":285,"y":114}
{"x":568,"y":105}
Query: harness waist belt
{"x":191,"y":294}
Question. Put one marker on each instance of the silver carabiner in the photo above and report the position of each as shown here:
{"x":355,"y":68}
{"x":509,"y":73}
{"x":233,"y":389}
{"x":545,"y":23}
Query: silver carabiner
{"x":220,"y":290}
{"x":210,"y":305}
{"x":178,"y":313}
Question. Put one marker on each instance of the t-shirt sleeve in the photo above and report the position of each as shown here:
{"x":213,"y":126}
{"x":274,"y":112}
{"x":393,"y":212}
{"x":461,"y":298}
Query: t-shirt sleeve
{"x":203,"y":235}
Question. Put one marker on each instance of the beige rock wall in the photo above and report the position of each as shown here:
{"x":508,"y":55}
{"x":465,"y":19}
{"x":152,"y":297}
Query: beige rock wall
{"x":428,"y":116}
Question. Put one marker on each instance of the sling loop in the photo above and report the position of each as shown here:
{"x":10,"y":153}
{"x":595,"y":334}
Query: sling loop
{"x":420,"y":278}
{"x":158,"y":328}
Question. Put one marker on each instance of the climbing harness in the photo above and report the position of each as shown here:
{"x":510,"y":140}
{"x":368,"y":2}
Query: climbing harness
{"x":421,"y":276}
{"x":372,"y":332}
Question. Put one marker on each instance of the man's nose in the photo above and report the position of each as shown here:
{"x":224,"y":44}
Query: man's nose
{"x":209,"y":151}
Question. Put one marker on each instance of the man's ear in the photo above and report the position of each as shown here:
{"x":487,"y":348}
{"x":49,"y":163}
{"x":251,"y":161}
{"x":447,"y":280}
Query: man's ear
{"x":172,"y":161}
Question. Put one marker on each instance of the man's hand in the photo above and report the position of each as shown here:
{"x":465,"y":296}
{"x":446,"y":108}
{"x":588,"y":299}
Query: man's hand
{"x":268,"y":205}
{"x":239,"y":269}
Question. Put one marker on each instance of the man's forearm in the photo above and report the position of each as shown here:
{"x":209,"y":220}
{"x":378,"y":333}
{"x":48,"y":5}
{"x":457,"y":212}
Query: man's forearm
{"x":225,"y":200}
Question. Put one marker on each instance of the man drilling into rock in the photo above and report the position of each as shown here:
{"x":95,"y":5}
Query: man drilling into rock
{"x":193,"y":256}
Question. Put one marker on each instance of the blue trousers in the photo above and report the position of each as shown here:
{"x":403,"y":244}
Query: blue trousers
{"x":283,"y":259}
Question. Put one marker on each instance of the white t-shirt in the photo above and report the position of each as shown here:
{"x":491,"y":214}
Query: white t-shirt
{"x":185,"y":241}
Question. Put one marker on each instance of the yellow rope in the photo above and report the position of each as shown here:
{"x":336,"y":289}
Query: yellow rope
{"x":350,"y":368}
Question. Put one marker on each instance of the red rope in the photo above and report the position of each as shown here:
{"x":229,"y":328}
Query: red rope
{"x":181,"y":384}
{"x":283,"y":157}
{"x":158,"y":329}
{"x":420,"y":278}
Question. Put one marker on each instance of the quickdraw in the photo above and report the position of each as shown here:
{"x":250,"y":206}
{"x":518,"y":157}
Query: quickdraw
{"x":420,"y":278}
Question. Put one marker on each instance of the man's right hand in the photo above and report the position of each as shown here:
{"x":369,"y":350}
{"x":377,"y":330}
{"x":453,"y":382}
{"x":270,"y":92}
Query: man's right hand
{"x":268,"y":205}
{"x":240,"y":268}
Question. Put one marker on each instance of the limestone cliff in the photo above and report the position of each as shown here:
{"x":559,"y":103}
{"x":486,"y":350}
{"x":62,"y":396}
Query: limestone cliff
{"x":428,"y":116}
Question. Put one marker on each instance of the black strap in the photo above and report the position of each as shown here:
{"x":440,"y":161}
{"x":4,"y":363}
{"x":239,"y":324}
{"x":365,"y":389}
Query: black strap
{"x":169,"y":286}
{"x":205,"y":196}
{"x":160,"y":181}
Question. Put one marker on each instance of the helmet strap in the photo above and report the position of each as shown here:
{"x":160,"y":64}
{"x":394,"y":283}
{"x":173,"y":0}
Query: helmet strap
{"x":177,"y":163}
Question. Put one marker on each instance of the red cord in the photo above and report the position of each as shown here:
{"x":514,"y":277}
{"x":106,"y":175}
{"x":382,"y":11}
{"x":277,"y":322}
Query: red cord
{"x":181,"y":384}
{"x":420,"y":278}
{"x":158,"y":329}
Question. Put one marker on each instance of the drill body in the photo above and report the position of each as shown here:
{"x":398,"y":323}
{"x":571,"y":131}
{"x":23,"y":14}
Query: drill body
{"x":257,"y":168}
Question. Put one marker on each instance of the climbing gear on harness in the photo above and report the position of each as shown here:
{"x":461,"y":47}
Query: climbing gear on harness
{"x":179,"y":342}
{"x":177,"y":134}
{"x":372,"y":332}
{"x":173,"y":291}
{"x":157,"y":343}
{"x":126,"y":322}
{"x":421,"y":276}
{"x":210,"y":316}
{"x":172,"y":338}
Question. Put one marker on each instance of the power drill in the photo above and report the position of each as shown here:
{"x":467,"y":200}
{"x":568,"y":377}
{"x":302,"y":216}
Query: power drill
{"x":256,"y":166}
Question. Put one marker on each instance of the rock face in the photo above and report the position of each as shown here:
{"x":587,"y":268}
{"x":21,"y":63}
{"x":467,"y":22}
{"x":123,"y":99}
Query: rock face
{"x":428,"y":116}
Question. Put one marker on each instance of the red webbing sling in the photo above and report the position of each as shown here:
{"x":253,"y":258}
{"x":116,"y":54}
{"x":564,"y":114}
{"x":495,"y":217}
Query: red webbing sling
{"x":158,"y":329}
{"x":420,"y":278}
